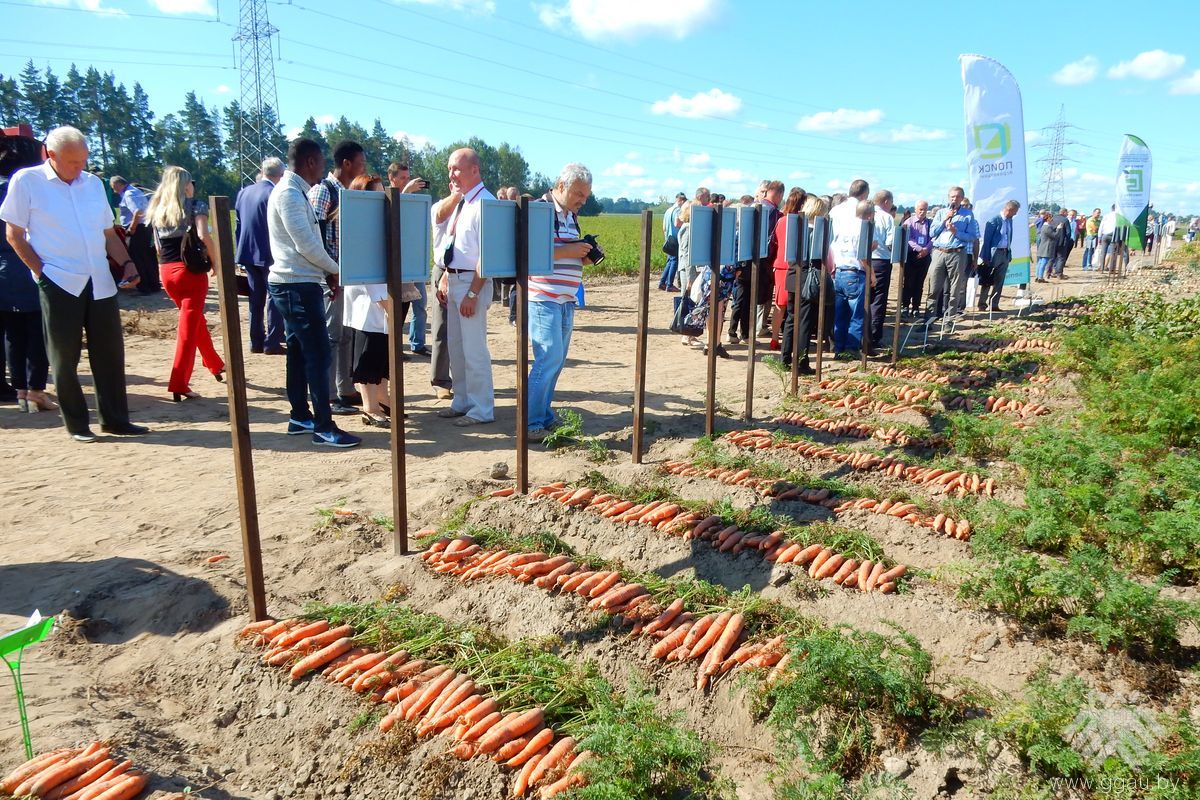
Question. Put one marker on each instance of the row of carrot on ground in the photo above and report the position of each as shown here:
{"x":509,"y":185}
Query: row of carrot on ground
{"x":832,"y":698}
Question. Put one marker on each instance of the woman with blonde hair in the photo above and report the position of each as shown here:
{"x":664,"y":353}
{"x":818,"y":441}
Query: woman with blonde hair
{"x":799,"y":276}
{"x":173,"y":212}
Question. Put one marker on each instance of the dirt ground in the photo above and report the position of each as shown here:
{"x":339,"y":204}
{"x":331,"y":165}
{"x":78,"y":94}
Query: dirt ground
{"x":114,"y":536}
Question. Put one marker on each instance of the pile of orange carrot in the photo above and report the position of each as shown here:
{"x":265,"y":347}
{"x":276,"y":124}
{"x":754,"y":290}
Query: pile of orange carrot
{"x":670,"y":518}
{"x":75,"y":773}
{"x":842,"y":426}
{"x":940,"y":480}
{"x":1020,"y":345}
{"x":904,"y":394}
{"x":715,"y":639}
{"x":434,"y":697}
{"x":784,"y":490}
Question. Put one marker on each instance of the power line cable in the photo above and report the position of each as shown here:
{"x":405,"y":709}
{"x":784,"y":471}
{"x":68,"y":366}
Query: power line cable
{"x":113,"y":14}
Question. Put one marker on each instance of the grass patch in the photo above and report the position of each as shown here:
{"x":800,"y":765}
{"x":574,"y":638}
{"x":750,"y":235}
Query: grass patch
{"x":569,"y":434}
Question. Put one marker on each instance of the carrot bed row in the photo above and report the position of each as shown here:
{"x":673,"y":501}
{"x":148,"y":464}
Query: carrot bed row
{"x":944,"y":481}
{"x":674,"y":520}
{"x":76,"y":773}
{"x":785,"y":490}
{"x":905,"y":394}
{"x":715,"y":639}
{"x":436,"y":698}
{"x":843,"y":426}
{"x":1020,"y":345}
{"x":971,"y":379}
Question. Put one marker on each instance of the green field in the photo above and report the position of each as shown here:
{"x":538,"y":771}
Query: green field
{"x":620,"y":237}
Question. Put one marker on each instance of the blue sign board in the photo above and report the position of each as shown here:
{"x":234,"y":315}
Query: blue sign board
{"x":362,"y":237}
{"x":416,"y":237}
{"x":745,"y":229}
{"x":700,"y":254}
{"x":498,"y":239}
{"x":818,"y":242}
{"x":728,"y":235}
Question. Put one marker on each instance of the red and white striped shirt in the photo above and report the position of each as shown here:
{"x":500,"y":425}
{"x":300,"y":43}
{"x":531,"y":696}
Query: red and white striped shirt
{"x":563,"y":285}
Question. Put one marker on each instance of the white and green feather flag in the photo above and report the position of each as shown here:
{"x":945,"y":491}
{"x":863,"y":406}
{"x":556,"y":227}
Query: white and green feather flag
{"x":1133,"y":189}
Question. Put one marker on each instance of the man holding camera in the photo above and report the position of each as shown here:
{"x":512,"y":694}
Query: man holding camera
{"x":552,"y":297}
{"x":456,"y":227}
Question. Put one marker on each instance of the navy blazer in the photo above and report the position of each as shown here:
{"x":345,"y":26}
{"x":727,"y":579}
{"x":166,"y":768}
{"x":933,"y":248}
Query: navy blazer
{"x":991,"y":237}
{"x":253,"y":240}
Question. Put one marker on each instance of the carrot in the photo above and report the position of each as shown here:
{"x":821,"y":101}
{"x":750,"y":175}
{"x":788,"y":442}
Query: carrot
{"x":710,"y":636}
{"x":570,"y":777}
{"x":724,"y":644}
{"x":697,"y":632}
{"x":267,"y":634}
{"x":33,"y":766}
{"x":540,"y":740}
{"x":576,"y":580}
{"x":886,"y":588}
{"x":447,"y":695}
{"x":480,"y":711}
{"x":321,"y":657}
{"x":127,"y":788}
{"x":788,"y":553}
{"x":872,"y":578}
{"x":426,"y":696}
{"x":549,"y":580}
{"x":510,"y":729}
{"x":584,"y":588}
{"x":617,"y":597}
{"x":808,"y":554}
{"x":619,"y":508}
{"x":80,"y":781}
{"x":296,"y":634}
{"x":892,"y":574}
{"x":257,"y":627}
{"x":521,"y":786}
{"x":580,"y":497}
{"x":675,"y":639}
{"x":845,"y":570}
{"x":829,"y":566}
{"x":823,"y":556}
{"x":552,"y":759}
{"x":321,"y":639}
{"x":603,"y":586}
{"x":513,"y":746}
{"x":483,"y":726}
{"x":864,"y":569}
{"x":360,"y":663}
{"x":216,"y":558}
{"x":665,"y":618}
{"x":114,"y":777}
{"x":450,"y":716}
{"x":64,"y":771}
{"x":505,"y":492}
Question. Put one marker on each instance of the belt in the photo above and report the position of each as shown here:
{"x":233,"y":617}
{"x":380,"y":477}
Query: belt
{"x":1000,"y":248}
{"x":949,"y":249}
{"x":459,"y":271}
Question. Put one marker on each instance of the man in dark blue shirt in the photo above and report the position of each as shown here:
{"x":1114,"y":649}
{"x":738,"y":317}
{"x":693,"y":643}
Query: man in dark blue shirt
{"x":254,"y":254}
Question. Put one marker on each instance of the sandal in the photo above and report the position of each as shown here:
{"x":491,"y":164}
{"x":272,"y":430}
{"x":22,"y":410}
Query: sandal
{"x":36,"y":401}
{"x":376,"y":420}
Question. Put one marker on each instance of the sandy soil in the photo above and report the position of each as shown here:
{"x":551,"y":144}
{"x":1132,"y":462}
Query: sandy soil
{"x":114,"y":535}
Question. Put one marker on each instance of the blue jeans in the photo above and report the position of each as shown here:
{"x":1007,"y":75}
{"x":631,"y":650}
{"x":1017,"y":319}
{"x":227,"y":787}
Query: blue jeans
{"x":302,"y":306}
{"x":273,"y":337}
{"x":668,"y":273}
{"x":420,"y":314}
{"x":550,"y":326}
{"x":1043,"y":266}
{"x":1089,"y":247}
{"x":849,"y":286}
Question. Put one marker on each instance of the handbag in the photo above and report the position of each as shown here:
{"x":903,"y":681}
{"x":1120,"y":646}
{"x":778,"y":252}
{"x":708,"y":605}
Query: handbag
{"x":409,"y":292}
{"x":671,"y":245}
{"x":683,"y":307}
{"x":810,"y":289}
{"x":193,"y":253}
{"x":696,"y":321}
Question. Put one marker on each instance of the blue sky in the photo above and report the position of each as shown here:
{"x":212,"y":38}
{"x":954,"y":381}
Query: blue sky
{"x":658,"y":97}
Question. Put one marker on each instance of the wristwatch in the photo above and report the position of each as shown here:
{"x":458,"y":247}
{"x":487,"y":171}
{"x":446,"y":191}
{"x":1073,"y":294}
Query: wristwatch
{"x":472,"y":294}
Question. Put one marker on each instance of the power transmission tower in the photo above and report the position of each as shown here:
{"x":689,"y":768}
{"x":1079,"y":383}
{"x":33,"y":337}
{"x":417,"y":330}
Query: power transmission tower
{"x":1053,"y":191}
{"x":259,"y":106}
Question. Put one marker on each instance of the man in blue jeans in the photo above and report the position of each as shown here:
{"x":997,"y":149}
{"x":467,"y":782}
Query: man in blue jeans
{"x":552,"y":297}
{"x":300,"y":266}
{"x":667,"y":282}
{"x":254,"y":255}
{"x":851,"y":273}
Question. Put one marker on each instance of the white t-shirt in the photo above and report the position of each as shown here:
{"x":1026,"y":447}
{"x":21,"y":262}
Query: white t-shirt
{"x":845,"y":231}
{"x":361,"y":309}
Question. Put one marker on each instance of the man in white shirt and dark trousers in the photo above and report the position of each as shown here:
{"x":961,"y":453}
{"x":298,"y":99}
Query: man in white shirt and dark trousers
{"x":456,"y":228}
{"x":881,"y":263}
{"x":299,"y":270}
{"x":349,"y":161}
{"x":60,"y":224}
{"x":552,"y":297}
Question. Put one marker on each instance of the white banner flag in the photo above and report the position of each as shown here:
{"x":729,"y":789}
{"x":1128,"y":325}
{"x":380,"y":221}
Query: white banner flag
{"x":995,"y":127}
{"x":1133,"y":189}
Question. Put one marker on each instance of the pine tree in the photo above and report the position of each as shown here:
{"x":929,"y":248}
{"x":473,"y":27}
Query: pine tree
{"x":10,"y":101}
{"x":54,"y":109}
{"x":309,"y":130}
{"x":31,"y":96}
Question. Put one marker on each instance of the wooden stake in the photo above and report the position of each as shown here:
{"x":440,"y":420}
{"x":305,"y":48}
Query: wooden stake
{"x":714,"y":333}
{"x":748,"y":412}
{"x":396,"y":373}
{"x":639,"y":358}
{"x":522,"y":289}
{"x":899,"y":297}
{"x":239,"y":414}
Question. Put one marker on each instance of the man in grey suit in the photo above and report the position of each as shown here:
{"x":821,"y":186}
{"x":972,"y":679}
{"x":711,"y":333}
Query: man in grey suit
{"x":997,"y":254}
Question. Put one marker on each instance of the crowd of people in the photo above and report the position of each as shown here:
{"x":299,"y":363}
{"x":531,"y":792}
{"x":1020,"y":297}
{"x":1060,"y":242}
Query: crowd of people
{"x":63,"y":259}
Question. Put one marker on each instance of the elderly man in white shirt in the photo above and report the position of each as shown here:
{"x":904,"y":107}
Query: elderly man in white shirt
{"x":881,"y":262}
{"x":60,"y":224}
{"x":1108,"y":229}
{"x":850,"y":273}
{"x":456,"y":228}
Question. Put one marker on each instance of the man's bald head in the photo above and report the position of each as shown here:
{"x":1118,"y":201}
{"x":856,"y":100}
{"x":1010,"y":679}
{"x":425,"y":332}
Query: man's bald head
{"x":464,"y":170}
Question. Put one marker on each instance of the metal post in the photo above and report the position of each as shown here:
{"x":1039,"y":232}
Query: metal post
{"x":522,"y":290}
{"x":639,"y":359}
{"x":396,"y":373}
{"x":714,"y":333}
{"x":239,"y":415}
{"x":748,"y":412}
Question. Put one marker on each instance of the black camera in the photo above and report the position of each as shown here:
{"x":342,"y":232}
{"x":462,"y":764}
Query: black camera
{"x":596,"y":254}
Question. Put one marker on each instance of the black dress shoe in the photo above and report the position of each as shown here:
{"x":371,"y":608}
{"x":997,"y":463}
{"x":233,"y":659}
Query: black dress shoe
{"x":354,"y":399}
{"x":275,"y":351}
{"x":127,"y":429}
{"x":256,"y":350}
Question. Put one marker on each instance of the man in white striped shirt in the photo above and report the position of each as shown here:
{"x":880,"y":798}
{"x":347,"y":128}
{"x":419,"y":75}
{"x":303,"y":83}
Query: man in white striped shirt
{"x":552,"y":297}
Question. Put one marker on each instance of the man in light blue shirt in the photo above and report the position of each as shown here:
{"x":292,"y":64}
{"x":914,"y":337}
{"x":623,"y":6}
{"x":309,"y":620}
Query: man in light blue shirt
{"x":139,"y":239}
{"x":996,"y":254}
{"x":955,"y":232}
{"x":671,"y":229}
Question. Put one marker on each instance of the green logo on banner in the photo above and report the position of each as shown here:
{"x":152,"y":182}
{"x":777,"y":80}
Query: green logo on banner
{"x":1133,"y":180}
{"x":993,"y":140}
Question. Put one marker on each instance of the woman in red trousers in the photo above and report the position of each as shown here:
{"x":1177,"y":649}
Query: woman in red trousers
{"x":172,"y":211}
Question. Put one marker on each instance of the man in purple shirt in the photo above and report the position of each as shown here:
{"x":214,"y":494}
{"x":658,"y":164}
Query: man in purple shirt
{"x":254,"y":255}
{"x":916,"y":267}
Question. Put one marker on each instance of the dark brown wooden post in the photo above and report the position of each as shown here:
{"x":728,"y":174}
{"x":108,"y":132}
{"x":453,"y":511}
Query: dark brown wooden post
{"x":748,"y":412}
{"x":396,"y":372}
{"x":714,"y":333}
{"x":522,"y":290}
{"x":639,"y":359}
{"x":239,"y":413}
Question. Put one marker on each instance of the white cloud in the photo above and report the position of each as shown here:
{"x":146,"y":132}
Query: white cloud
{"x":1188,"y":85}
{"x":726,"y":176}
{"x":1070,"y":172}
{"x":834,"y":183}
{"x":603,"y":19}
{"x":95,"y":6}
{"x":222,"y":89}
{"x":762,"y":126}
{"x":1151,"y":65}
{"x":697,"y":159}
{"x":1077,"y":72}
{"x":672,"y":183}
{"x":293,"y":133}
{"x":624,"y":169}
{"x":799,"y":175}
{"x":484,"y":6}
{"x":713,"y":103}
{"x":632,"y":155}
{"x":843,"y":119}
{"x":325,"y":119}
{"x":1095,"y":177}
{"x":905,"y":133}
{"x":205,"y":7}
{"x":1032,"y":136}
{"x":418,"y":141}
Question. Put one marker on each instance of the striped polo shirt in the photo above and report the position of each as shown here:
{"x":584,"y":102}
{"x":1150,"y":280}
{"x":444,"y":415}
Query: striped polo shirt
{"x":563,"y":285}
